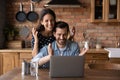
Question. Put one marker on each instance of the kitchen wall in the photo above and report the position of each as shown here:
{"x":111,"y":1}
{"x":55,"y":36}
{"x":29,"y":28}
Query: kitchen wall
{"x":2,"y":22}
{"x":78,"y":17}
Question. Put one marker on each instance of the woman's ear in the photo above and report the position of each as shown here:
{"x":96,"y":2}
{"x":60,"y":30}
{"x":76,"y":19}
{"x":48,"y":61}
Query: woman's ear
{"x":41,"y":22}
{"x":54,"y":34}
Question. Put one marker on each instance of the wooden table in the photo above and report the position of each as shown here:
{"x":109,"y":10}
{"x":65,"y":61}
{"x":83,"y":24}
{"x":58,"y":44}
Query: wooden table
{"x":44,"y":75}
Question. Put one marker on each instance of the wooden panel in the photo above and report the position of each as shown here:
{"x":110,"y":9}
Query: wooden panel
{"x":96,"y":56}
{"x":104,"y":66}
{"x":25,"y":56}
{"x":10,"y":61}
{"x":115,"y":60}
{"x":1,"y":70}
{"x":105,"y":12}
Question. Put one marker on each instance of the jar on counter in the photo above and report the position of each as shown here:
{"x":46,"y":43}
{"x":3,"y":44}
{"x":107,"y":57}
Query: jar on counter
{"x":86,"y":45}
{"x":98,"y":46}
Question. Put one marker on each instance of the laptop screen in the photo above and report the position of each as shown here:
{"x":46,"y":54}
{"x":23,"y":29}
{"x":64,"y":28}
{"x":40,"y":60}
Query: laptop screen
{"x":67,"y":66}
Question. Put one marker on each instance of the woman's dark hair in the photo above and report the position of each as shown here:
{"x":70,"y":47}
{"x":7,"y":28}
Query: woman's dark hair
{"x":61,"y":24}
{"x":43,"y":13}
{"x":47,"y":11}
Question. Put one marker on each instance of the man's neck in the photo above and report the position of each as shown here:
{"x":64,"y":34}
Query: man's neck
{"x":61,"y":46}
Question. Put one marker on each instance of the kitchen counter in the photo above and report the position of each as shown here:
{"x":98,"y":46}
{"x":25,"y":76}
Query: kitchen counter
{"x":30,"y":50}
{"x":89,"y":74}
{"x":97,"y":51}
{"x":96,"y":56}
{"x":16,"y":50}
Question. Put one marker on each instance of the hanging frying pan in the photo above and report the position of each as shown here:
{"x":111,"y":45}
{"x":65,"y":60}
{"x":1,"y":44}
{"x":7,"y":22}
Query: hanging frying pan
{"x":35,"y":0}
{"x":32,"y":16}
{"x":21,"y":15}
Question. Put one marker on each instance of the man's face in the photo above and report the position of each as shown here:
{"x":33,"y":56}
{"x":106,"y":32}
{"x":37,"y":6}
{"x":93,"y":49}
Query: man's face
{"x":61,"y":36}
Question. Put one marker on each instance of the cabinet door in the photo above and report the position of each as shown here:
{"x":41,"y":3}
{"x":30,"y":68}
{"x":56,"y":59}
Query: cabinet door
{"x":97,"y":10}
{"x":105,"y":10}
{"x":10,"y":61}
{"x":25,"y":56}
{"x":1,"y":70}
{"x":119,"y":10}
{"x":96,"y":57}
{"x":112,"y":11}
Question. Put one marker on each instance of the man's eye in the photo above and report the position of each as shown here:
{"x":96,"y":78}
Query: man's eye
{"x":58,"y":34}
{"x":46,"y":21}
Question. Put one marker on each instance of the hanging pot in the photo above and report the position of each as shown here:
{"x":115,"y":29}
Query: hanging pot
{"x":35,"y":0}
{"x":32,"y":16}
{"x":21,"y":15}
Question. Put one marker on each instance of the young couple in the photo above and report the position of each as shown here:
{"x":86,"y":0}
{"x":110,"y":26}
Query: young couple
{"x":52,"y":39}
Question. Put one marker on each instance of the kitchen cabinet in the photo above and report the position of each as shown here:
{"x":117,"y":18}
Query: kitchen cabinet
{"x":1,"y":70}
{"x":27,"y":56}
{"x":96,"y":56}
{"x":115,"y":60}
{"x":11,"y":58}
{"x":8,"y":61}
{"x":105,"y":10}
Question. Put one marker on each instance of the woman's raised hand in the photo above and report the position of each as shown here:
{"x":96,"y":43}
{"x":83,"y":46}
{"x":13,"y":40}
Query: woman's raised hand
{"x":73,"y":31}
{"x":34,"y":33}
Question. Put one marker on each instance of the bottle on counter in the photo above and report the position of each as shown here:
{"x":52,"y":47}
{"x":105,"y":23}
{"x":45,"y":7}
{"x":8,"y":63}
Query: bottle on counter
{"x":23,"y":68}
{"x":86,"y":45}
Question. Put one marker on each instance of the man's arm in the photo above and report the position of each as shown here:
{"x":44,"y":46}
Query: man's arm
{"x":45,"y":59}
{"x":44,"y":55}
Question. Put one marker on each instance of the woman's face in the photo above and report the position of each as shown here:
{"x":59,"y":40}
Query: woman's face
{"x":48,"y":22}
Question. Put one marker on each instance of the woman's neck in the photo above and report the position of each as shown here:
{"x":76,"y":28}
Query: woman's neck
{"x":46,"y":33}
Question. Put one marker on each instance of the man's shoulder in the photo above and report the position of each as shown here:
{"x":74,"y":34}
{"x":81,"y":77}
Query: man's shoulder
{"x":53,"y":44}
{"x":72,"y":42}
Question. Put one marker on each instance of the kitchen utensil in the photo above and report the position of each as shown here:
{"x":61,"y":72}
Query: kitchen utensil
{"x":24,"y":32}
{"x":25,"y":68}
{"x":35,"y":0}
{"x":34,"y":68}
{"x":32,"y":16}
{"x":21,"y":15}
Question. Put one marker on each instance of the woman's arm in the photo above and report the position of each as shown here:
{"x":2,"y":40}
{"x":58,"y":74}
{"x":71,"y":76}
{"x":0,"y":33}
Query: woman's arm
{"x":35,"y":43}
{"x":72,"y":34}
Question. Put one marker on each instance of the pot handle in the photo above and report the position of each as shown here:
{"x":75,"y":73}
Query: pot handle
{"x":21,"y":7}
{"x":31,"y":7}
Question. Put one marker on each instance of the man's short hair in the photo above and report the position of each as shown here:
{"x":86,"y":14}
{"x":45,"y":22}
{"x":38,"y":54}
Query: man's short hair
{"x":61,"y":24}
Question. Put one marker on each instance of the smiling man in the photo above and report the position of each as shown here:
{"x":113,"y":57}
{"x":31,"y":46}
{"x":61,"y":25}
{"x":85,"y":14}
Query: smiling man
{"x":61,"y":47}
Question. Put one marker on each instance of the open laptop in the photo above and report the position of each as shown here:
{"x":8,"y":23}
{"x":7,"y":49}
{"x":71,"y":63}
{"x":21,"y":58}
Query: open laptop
{"x":67,"y":66}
